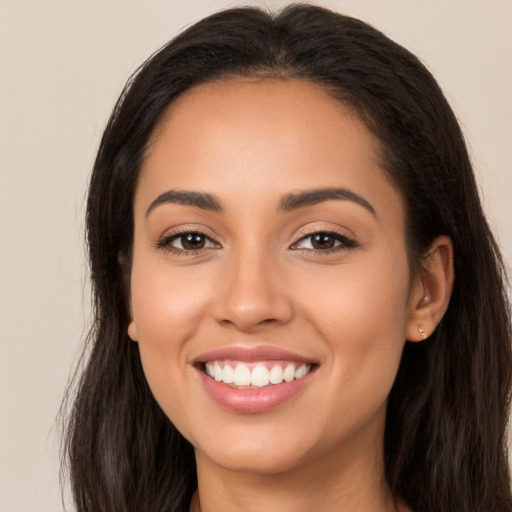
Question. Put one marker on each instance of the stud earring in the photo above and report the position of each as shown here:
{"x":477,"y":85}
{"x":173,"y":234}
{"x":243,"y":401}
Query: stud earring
{"x":422,"y":332}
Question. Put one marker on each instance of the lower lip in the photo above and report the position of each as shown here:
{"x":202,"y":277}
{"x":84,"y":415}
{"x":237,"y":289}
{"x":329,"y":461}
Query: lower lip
{"x":253,"y":400}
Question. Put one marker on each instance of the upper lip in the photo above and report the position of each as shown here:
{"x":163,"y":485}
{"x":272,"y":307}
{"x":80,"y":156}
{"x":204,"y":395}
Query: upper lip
{"x":251,"y":354}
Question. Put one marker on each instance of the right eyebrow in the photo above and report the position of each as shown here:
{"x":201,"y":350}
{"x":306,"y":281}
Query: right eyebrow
{"x":198,"y":199}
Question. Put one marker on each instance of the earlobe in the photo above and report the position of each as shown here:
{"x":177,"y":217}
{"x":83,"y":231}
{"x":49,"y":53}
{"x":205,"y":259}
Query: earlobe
{"x":125,"y":265}
{"x":132,"y":331}
{"x":431,"y":291}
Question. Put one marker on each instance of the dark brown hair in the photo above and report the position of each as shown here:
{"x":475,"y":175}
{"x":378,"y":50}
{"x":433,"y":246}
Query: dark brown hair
{"x":445,"y":439}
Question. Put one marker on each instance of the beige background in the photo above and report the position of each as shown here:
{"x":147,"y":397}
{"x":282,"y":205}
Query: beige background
{"x":62,"y":67}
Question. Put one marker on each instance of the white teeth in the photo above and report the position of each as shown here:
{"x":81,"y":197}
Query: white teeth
{"x":242,"y":376}
{"x":228,"y":375}
{"x":302,"y":370}
{"x":217,"y":372}
{"x":289,"y":373}
{"x":276,"y":375}
{"x":260,"y":376}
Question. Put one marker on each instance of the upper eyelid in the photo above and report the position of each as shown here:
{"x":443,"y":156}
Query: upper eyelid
{"x":331,"y":231}
{"x":334,"y":234}
{"x":347,"y":241}
{"x":177,"y":232}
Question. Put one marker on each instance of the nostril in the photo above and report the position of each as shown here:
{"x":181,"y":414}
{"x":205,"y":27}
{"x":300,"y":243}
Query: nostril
{"x":248,"y":325}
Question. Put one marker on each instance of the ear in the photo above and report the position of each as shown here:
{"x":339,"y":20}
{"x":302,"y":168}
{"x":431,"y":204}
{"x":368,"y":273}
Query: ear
{"x":125,"y":268}
{"x":431,"y":290}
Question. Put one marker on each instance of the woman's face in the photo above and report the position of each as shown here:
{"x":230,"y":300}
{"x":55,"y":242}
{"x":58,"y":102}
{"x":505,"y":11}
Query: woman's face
{"x":269,"y":244}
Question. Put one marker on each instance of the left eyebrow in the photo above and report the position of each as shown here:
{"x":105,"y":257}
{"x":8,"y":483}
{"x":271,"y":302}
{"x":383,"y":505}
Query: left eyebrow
{"x":291,"y":202}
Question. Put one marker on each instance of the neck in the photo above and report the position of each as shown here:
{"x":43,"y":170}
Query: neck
{"x":348,"y":480}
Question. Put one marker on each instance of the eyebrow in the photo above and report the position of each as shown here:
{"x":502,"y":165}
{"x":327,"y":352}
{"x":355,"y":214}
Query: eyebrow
{"x":311,"y":197}
{"x":198,"y":199}
{"x":289,"y":202}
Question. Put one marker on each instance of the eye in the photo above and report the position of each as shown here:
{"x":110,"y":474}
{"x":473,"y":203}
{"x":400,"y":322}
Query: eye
{"x":324,"y":241}
{"x":190,"y":241}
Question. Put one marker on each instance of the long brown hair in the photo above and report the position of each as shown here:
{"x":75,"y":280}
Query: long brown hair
{"x":445,"y":439}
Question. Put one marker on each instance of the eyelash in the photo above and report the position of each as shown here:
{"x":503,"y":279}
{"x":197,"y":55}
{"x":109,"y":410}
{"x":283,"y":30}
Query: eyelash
{"x":165,"y":243}
{"x":346,"y":243}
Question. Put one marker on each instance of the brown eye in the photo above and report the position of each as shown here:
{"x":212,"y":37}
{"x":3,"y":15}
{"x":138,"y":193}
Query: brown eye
{"x":323,"y":241}
{"x":192,"y":241}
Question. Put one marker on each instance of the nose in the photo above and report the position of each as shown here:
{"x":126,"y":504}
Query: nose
{"x":252,"y":293}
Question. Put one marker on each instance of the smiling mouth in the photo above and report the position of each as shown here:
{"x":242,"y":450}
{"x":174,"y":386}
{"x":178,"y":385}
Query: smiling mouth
{"x":254,"y":380}
{"x":255,"y":375}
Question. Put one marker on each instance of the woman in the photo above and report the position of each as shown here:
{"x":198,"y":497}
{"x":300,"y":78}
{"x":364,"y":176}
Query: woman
{"x":275,"y":218}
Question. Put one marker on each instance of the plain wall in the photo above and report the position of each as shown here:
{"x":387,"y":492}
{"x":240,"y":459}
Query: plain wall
{"x":63,"y":65}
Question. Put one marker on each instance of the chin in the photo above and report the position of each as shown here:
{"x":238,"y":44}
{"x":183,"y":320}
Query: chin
{"x":256,"y":462}
{"x":269,"y":455}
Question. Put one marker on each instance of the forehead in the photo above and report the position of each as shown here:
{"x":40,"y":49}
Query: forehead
{"x":262,"y":138}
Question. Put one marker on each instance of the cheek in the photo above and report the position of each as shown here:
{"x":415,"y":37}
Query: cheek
{"x":166,"y":304}
{"x":361,"y":317}
{"x":166,"y":309}
{"x":361,"y":313}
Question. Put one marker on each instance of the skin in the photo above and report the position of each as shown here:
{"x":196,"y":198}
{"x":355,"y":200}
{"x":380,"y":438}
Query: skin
{"x":257,"y":281}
